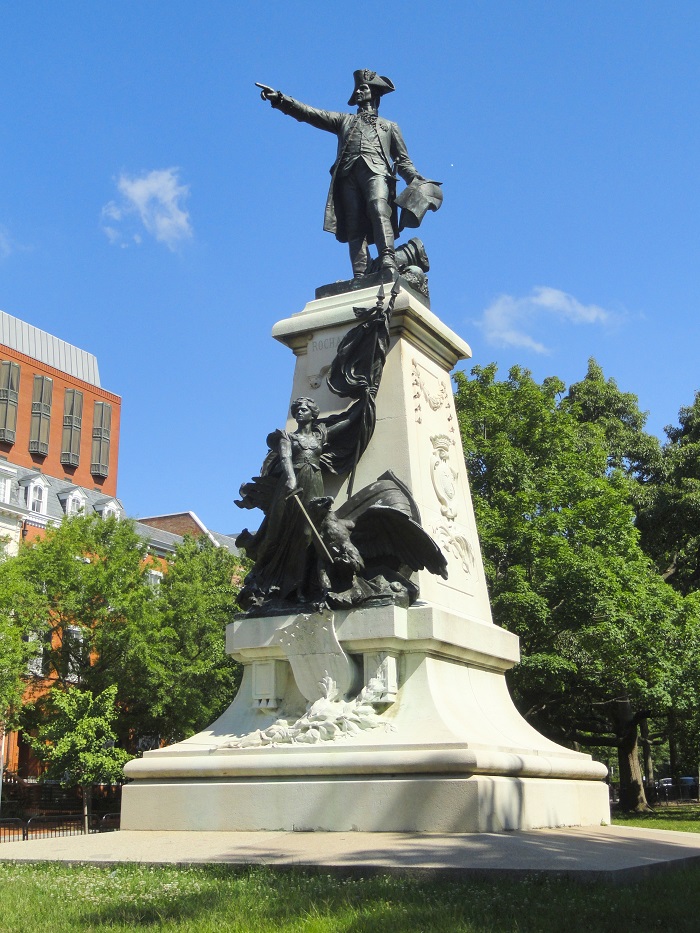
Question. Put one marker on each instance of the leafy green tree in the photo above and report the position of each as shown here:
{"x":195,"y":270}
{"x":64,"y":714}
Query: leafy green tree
{"x":635,"y":455}
{"x":18,"y":643}
{"x":84,"y":584}
{"x":76,"y":742}
{"x":598,"y":401}
{"x":82,"y":588}
{"x":190,"y":679}
{"x":88,"y":583}
{"x":670,"y":521}
{"x":553,"y":502}
{"x":683,"y":717}
{"x":15,"y":647}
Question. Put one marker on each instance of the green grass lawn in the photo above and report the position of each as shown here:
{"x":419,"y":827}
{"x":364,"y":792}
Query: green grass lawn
{"x":680,"y":817}
{"x":219,"y":899}
{"x":223,"y":899}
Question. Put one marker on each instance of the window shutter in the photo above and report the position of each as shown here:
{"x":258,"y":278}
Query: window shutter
{"x":72,"y":426}
{"x":9,"y":393}
{"x":101,"y":430}
{"x":41,"y":415}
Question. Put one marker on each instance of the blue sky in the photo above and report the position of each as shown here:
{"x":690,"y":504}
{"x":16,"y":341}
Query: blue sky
{"x":154,"y":211}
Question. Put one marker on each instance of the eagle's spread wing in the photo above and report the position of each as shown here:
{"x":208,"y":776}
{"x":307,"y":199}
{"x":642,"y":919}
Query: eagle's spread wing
{"x":383,"y":531}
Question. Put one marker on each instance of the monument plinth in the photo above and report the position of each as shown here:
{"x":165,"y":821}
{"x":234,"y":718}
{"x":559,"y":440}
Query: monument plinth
{"x":384,"y":709}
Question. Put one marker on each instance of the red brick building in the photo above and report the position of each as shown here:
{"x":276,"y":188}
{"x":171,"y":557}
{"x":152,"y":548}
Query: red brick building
{"x":59,"y":451}
{"x":55,"y":417}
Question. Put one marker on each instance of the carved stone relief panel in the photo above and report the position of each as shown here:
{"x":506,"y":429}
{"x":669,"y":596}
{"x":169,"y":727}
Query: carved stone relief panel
{"x":445,"y":500}
{"x":429,"y":390}
{"x":457,"y":546}
{"x":443,"y":474}
{"x":316,"y":379}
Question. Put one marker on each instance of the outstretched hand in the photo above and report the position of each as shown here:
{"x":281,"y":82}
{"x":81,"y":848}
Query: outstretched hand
{"x":268,"y":93}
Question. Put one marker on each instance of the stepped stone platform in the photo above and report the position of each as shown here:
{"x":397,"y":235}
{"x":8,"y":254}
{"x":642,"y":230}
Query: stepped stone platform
{"x":606,"y":853}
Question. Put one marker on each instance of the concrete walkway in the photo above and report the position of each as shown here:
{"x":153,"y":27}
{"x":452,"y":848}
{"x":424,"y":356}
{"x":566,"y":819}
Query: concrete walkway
{"x":611,"y":853}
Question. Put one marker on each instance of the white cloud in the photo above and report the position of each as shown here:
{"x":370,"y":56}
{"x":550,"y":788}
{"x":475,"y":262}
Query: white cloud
{"x":6,"y":245}
{"x":156,"y":199}
{"x":507,"y":321}
{"x":112,"y":234}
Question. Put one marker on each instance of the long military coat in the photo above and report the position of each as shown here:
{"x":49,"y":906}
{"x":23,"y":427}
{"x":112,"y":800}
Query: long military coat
{"x":393,"y":151}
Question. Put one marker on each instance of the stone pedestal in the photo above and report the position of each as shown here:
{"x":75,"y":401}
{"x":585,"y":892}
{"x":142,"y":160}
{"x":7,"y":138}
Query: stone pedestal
{"x":377,"y":719}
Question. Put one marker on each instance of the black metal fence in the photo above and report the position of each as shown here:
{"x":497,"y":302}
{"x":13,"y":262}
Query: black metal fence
{"x":47,"y":827}
{"x":668,"y":793}
{"x":108,"y":823}
{"x":12,"y":830}
{"x":26,"y":797}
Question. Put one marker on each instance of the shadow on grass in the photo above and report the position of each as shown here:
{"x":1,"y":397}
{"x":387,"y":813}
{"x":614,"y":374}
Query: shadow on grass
{"x":263,"y":899}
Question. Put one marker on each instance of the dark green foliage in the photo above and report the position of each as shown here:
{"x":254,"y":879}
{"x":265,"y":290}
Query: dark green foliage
{"x":188,"y":678}
{"x":670,"y":522}
{"x":555,"y":480}
{"x":85,"y":589}
{"x":75,"y":741}
{"x":598,"y":401}
{"x":18,"y":642}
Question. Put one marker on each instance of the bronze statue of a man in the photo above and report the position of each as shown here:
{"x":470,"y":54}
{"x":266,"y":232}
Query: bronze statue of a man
{"x":361,"y":206}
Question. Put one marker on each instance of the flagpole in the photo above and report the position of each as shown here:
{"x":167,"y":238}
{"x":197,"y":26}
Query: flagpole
{"x":387,"y":315}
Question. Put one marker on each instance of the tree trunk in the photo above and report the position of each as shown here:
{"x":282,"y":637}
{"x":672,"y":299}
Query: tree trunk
{"x":632,"y":796}
{"x":87,"y":795}
{"x":646,"y":753}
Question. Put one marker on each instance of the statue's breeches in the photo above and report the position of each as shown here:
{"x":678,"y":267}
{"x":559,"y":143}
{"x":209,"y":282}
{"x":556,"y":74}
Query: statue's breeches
{"x":366,"y":199}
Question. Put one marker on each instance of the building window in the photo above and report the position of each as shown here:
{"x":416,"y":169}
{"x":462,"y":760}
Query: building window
{"x":37,"y":496}
{"x":111,"y":510}
{"x":72,"y":424}
{"x":101,"y":427}
{"x":75,"y":503}
{"x":36,"y":499}
{"x":7,"y":473}
{"x":154,"y":578}
{"x":41,"y":415}
{"x":72,"y":653}
{"x":9,"y":392}
{"x":38,"y":663}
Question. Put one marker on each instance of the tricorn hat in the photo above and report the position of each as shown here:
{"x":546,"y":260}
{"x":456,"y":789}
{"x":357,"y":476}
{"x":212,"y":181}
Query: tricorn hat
{"x":421,"y":196}
{"x":378,"y":83}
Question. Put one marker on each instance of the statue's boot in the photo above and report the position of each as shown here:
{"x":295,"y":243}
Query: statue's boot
{"x":380,"y":212}
{"x":359,"y":257}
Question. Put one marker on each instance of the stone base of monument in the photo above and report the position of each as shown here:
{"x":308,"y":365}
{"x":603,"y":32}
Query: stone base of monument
{"x":354,"y":804}
{"x":431,"y":742}
{"x":379,"y":718}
